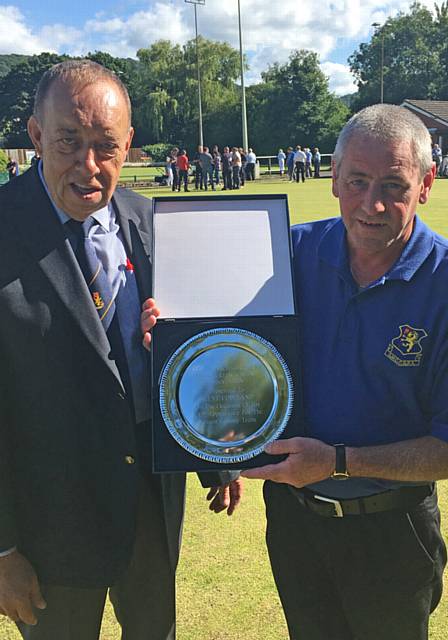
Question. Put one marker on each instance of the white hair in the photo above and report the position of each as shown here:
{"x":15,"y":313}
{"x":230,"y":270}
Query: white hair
{"x":386,"y":123}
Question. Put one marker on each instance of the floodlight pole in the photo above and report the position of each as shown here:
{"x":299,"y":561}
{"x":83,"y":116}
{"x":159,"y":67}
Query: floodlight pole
{"x":382,"y":68}
{"x":195,"y":3}
{"x":377,"y":26}
{"x":243,"y":90}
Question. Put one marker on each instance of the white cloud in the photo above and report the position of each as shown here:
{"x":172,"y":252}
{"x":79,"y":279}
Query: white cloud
{"x":62,"y":37}
{"x":271,"y":30}
{"x":100,"y":25}
{"x":124,"y":36}
{"x":16,"y":36}
{"x":340,"y":78}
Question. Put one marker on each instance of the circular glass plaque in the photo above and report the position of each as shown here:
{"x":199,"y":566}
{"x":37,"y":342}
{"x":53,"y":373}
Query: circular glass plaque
{"x":225,"y":394}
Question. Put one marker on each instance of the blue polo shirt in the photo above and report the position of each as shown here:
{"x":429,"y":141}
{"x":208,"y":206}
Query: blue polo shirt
{"x":374,"y":360}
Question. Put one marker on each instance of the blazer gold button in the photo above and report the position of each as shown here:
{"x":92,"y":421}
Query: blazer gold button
{"x":129,"y":460}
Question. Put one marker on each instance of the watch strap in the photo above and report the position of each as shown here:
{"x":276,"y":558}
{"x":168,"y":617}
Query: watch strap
{"x":340,"y":470}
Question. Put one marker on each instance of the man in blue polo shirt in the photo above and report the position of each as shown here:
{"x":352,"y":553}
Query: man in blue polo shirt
{"x":353,"y":524}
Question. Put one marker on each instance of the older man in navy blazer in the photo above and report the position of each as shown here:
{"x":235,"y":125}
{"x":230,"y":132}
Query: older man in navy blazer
{"x":80,"y":511}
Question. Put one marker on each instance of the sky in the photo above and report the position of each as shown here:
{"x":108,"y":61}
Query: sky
{"x":271,"y":28}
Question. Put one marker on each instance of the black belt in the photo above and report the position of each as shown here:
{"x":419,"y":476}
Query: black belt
{"x":402,"y":499}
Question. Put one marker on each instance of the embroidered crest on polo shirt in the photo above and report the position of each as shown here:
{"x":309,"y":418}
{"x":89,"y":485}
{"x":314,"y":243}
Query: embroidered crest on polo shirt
{"x":406,"y":350}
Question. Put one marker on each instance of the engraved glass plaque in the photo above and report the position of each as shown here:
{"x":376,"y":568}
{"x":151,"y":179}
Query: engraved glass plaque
{"x":225,"y":394}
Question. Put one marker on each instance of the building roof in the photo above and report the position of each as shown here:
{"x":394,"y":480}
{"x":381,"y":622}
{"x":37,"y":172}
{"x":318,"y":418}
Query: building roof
{"x":437,"y":109}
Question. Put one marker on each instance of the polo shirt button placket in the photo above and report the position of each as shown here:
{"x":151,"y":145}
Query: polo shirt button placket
{"x":348,"y":320}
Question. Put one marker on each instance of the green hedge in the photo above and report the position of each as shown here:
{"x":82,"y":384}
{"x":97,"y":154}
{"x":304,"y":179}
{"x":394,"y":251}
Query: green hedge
{"x":3,"y":160}
{"x":158,"y":152}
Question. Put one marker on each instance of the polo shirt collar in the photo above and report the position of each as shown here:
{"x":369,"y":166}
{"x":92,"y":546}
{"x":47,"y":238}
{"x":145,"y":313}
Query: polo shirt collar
{"x":414,"y":253}
{"x":333,"y":250}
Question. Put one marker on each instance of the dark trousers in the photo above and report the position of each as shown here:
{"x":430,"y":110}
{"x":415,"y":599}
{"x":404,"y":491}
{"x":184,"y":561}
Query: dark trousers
{"x":208,"y":178}
{"x":236,"y":171}
{"x":183,"y":178}
{"x":366,"y":577}
{"x":176,"y":183}
{"x":250,"y":171}
{"x":317,"y":169}
{"x":198,"y":178}
{"x":143,"y":598}
{"x":227,"y":178}
{"x":300,"y":171}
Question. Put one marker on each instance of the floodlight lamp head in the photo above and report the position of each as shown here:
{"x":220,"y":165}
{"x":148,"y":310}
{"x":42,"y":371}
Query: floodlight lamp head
{"x":195,"y":1}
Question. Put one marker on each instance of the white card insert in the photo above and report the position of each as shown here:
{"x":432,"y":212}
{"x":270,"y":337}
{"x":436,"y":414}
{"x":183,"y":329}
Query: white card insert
{"x":222,"y":258}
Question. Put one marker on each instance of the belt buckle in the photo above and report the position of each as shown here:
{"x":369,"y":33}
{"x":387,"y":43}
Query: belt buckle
{"x":338,"y":513}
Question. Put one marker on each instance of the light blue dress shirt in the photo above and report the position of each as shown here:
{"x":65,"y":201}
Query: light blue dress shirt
{"x":106,"y":238}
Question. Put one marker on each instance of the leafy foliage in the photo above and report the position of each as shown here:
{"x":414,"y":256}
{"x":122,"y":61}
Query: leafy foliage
{"x":442,"y":25}
{"x":17,"y":91}
{"x":293,"y":105}
{"x":18,"y":86}
{"x":3,"y":160}
{"x":167,"y":93}
{"x":8,"y":61}
{"x":157,"y":152}
{"x":415,"y":58}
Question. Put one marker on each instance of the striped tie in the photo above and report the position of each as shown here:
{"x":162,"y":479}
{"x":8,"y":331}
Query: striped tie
{"x":92,"y":269}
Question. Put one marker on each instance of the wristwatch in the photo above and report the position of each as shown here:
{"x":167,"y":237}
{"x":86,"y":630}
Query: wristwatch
{"x":340,"y":470}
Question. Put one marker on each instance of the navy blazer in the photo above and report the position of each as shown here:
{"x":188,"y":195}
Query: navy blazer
{"x":68,"y":497}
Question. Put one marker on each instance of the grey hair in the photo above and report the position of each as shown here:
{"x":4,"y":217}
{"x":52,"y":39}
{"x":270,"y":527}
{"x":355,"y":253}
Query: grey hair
{"x":386,"y":123}
{"x":76,"y":72}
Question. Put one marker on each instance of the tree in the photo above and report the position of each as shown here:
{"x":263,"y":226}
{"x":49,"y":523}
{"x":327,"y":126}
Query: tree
{"x":293,"y":105}
{"x":413,"y":67}
{"x":18,"y":87}
{"x":167,"y":94}
{"x":17,"y":91}
{"x":221,"y":100}
{"x":9,"y":60}
{"x":442,"y":26}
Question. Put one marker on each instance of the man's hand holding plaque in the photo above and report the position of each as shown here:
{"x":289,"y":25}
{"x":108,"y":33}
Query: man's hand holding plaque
{"x":149,"y":316}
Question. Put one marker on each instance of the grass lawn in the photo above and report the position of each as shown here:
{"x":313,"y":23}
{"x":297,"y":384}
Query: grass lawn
{"x":140,"y":173}
{"x":313,"y":199}
{"x":225,"y":588}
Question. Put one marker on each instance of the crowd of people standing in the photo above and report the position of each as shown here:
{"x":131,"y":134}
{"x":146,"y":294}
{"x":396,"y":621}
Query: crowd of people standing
{"x":299,"y":163}
{"x":229,"y":169}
